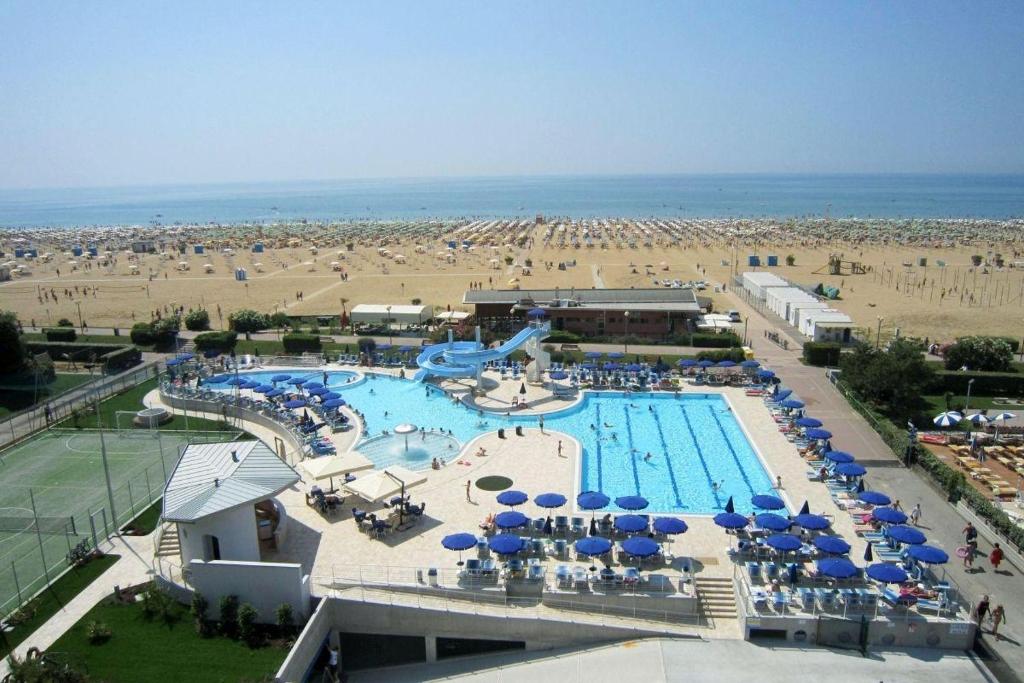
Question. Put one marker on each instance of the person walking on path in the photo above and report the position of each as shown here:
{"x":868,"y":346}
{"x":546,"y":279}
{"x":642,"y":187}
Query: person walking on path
{"x":970,"y":534}
{"x":998,"y":617}
{"x":559,"y":447}
{"x":981,"y":610}
{"x":468,"y":483}
{"x":995,"y":557}
{"x":541,"y":423}
{"x":896,"y":505}
{"x":915,"y":515}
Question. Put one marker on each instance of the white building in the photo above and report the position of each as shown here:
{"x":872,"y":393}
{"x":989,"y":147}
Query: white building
{"x":757,"y":282}
{"x":827,"y":325}
{"x":403,"y":314}
{"x":779,"y":299}
{"x":798,"y":310}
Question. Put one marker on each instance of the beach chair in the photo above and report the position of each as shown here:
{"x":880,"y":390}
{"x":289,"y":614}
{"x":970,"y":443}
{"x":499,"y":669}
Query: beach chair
{"x":760,"y":599}
{"x":537,"y":547}
{"x":472,"y":568}
{"x":868,"y":598}
{"x":488,"y":569}
{"x":754,"y":571}
{"x":807,"y":598}
{"x":563,"y":576}
{"x":826,"y":598}
{"x":779,"y":601}
{"x":631,"y":576}
{"x":561,"y":524}
{"x":849,"y":597}
{"x":560,"y":548}
{"x":771,"y":570}
{"x":537,"y":525}
{"x":482,"y":549}
{"x":580,"y":578}
{"x":578,"y":527}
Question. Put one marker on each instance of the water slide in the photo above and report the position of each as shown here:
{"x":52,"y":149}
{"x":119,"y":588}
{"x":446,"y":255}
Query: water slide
{"x":466,"y":358}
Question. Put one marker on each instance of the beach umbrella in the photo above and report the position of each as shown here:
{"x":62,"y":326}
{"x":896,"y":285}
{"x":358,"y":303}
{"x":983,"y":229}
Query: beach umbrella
{"x":947,"y":419}
{"x":906,"y":534}
{"x":248,"y":384}
{"x":772,"y":521}
{"x":610,"y":366}
{"x":275,"y":393}
{"x":640,"y":546}
{"x":807,"y":422}
{"x":874,"y":498}
{"x":264,"y":388}
{"x":593,"y":354}
{"x":851,"y":469}
{"x":766,"y":502}
{"x":978,"y":419}
{"x":884,"y":572}
{"x":536,"y":313}
{"x":837,"y":568}
{"x":706,"y":363}
{"x":818,"y":434}
{"x":670,"y":526}
{"x":333,"y":403}
{"x":458,"y":542}
{"x":750,"y":364}
{"x":1003,"y":417}
{"x":312,"y":385}
{"x":550,"y":500}
{"x":805,"y":509}
{"x":512,"y":498}
{"x":616,"y":355}
{"x":330,"y":396}
{"x":510,"y":519}
{"x":765,"y":374}
{"x":725,"y":364}
{"x":731,"y":520}
{"x":784,"y":542}
{"x":522,"y":389}
{"x":812,"y":522}
{"x":889,"y":515}
{"x":384,"y":347}
{"x":505,"y":544}
{"x":592,"y":546}
{"x":186,"y":356}
{"x":868,"y":555}
{"x":633,"y":367}
{"x":792,"y":403}
{"x":558,"y":374}
{"x":831,"y":544}
{"x":294,"y":403}
{"x":298,"y":381}
{"x":838,"y":457}
{"x":782,"y":394}
{"x":631,"y":523}
{"x":592,"y":500}
{"x":631,"y":502}
{"x":686,"y":363}
{"x":928,"y":554}
{"x":280,"y":378}
{"x":217,"y":379}
{"x":318,"y":391}
{"x":174,"y":362}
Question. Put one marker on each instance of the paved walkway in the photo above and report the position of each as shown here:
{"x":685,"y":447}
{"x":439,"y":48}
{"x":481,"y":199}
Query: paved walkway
{"x":133,"y":567}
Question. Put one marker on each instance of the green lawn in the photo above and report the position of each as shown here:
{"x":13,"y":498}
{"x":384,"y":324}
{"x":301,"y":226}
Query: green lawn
{"x":13,"y":399}
{"x":60,"y":593}
{"x":152,"y":650}
{"x":145,"y":522}
{"x":124,"y":338}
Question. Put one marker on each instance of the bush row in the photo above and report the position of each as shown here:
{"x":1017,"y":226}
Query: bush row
{"x":113,"y":357}
{"x":735,"y":355}
{"x":216,"y":341}
{"x":822,"y":354}
{"x":300,"y":343}
{"x":985,"y":383}
{"x":60,"y":334}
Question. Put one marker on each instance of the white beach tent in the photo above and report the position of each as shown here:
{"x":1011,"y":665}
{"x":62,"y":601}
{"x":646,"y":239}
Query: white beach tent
{"x":336,"y":465}
{"x":383,"y":484}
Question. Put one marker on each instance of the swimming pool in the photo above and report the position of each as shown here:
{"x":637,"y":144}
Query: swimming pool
{"x":694,"y":440}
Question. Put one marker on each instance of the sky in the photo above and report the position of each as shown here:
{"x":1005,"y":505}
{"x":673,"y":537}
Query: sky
{"x":148,"y":93}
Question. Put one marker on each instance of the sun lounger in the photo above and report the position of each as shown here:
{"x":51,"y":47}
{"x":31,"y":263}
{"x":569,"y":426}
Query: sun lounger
{"x":563,"y":576}
{"x":807,"y":598}
{"x":577,"y":526}
{"x":579,"y":577}
{"x":826,"y":597}
{"x":754,"y":571}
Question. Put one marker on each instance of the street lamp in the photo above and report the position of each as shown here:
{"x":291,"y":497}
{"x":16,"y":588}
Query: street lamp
{"x":967,"y":402}
{"x":625,"y":337}
{"x":878,"y":334}
{"x":390,"y":340}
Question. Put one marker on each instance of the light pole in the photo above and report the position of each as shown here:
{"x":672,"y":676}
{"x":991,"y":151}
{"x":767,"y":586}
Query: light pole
{"x":103,"y":454}
{"x":967,"y":402}
{"x":390,"y":340}
{"x":625,"y":337}
{"x":878,"y":334}
{"x":81,"y":323}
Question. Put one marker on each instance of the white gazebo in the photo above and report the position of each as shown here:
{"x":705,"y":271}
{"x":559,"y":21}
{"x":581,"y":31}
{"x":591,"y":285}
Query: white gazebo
{"x":383,"y":484}
{"x":403,"y":314}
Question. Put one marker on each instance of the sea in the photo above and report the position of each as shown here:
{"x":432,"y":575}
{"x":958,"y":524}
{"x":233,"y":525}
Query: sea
{"x":634,"y":196}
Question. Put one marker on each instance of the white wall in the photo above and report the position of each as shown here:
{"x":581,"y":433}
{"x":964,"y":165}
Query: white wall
{"x":797,"y":311}
{"x":235,"y":530}
{"x":264,"y":585}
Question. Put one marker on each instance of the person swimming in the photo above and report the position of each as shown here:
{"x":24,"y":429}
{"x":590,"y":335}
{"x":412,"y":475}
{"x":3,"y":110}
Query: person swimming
{"x":648,"y":456}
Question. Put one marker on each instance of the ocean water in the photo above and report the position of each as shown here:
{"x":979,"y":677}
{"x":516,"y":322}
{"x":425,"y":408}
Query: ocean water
{"x":724,"y":196}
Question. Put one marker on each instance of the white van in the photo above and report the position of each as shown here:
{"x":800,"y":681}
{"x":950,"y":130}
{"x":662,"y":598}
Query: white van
{"x":734,"y":316}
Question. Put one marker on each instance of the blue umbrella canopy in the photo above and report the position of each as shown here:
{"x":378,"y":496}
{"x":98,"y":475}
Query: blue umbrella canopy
{"x":766,"y":502}
{"x":216,"y":379}
{"x":264,"y":388}
{"x":631,"y":523}
{"x":510,"y":519}
{"x":384,"y":347}
{"x":874,"y":498}
{"x":593,"y":545}
{"x":851,"y":469}
{"x":772,"y":521}
{"x":633,"y":367}
{"x":248,"y":384}
{"x":329,"y":396}
{"x":640,"y":546}
{"x":831,"y":544}
{"x":592,"y":354}
{"x":275,"y":392}
{"x":670,"y":525}
{"x":312,"y":385}
{"x":174,"y":362}
{"x":837,"y":568}
{"x":868,"y":555}
{"x":686,"y":363}
{"x":294,"y":403}
{"x":928,"y":554}
{"x":889,"y":515}
{"x":298,"y":381}
{"x":731,"y":520}
{"x":616,"y":355}
{"x":906,"y":534}
{"x":280,"y":378}
{"x":610,"y":366}
{"x":947,"y":419}
{"x":186,"y":356}
{"x":505,"y":544}
{"x":811,"y":522}
{"x":458,"y":541}
{"x":512,"y":497}
{"x":318,"y":391}
{"x":886,"y":573}
{"x":807,"y":422}
{"x":631,"y":502}
{"x":750,"y":364}
{"x":792,"y":403}
{"x":725,"y":364}
{"x":558,"y":374}
{"x":333,"y":403}
{"x":838,"y":457}
{"x":765,"y":374}
{"x":817,"y":433}
{"x":536,"y":313}
{"x":784,"y":542}
{"x":706,"y":363}
{"x":592,"y":500}
{"x":782,"y":394}
{"x":550,"y":500}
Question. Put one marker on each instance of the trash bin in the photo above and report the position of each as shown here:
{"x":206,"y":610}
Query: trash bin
{"x":432,"y":576}
{"x":501,"y":432}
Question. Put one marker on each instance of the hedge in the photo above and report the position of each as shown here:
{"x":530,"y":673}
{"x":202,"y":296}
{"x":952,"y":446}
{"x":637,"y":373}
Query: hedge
{"x":985,"y":383}
{"x":216,"y":341}
{"x":722,"y":340}
{"x":142,"y":334}
{"x":299,"y":343}
{"x":60,"y":334}
{"x":822,"y":354}
{"x":112,"y":356}
{"x":563,"y":337}
{"x":124,"y":357}
{"x":735,"y":355}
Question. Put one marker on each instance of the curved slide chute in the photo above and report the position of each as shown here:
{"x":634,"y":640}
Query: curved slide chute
{"x":467,"y":358}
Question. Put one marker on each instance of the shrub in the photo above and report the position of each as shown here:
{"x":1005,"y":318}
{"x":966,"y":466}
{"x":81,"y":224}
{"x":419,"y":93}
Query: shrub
{"x":417,"y":302}
{"x":723,"y":340}
{"x":976,"y":260}
{"x":247,"y":321}
{"x":314,"y":330}
{"x":197,"y":321}
{"x":822,"y":354}
{"x":119,"y":359}
{"x":295,"y":342}
{"x":563,"y":337}
{"x":247,"y":616}
{"x":165,"y":332}
{"x":60,"y":334}
{"x":64,"y":322}
{"x":988,"y":354}
{"x":985,"y":383}
{"x":229,"y":615}
{"x":216,"y":341}
{"x":790,"y":260}
{"x":97,"y":632}
{"x":198,"y":610}
{"x":279,"y":320}
{"x":285,"y":617}
{"x":142,"y":334}
{"x":12,"y":349}
{"x":509,"y":260}
{"x":367,"y":345}
{"x":735,"y":355}
{"x":157,"y":603}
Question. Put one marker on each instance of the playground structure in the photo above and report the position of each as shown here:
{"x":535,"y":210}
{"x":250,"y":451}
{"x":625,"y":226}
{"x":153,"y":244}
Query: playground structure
{"x":837,"y":266}
{"x":454,"y":359}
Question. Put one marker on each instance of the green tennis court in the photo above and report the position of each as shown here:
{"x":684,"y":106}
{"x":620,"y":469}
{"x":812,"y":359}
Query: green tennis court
{"x":60,"y":473}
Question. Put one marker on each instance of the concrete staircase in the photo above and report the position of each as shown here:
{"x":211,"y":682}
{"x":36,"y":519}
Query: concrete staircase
{"x":717,"y":597}
{"x":169,"y":545}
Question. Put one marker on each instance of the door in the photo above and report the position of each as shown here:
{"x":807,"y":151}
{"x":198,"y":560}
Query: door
{"x":211,"y":548}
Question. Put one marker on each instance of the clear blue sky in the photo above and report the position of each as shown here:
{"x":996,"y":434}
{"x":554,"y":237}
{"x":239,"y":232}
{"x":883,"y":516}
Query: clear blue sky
{"x":113,"y":93}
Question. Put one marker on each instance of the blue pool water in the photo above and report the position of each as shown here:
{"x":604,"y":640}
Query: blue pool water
{"x":694,"y":439}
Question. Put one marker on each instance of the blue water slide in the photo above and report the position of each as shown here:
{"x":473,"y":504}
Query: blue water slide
{"x":461,"y":359}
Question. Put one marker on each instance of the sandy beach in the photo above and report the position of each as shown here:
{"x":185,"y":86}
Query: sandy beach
{"x":395,"y":263}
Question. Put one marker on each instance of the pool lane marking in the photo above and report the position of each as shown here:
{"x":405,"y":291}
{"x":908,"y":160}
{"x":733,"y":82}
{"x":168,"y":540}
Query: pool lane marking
{"x":732,"y":451}
{"x":700,"y":455}
{"x":668,"y":460}
{"x":597,"y":429}
{"x":632,"y":454}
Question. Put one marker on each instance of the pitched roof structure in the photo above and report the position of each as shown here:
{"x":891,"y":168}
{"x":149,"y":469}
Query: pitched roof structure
{"x":213,"y":477}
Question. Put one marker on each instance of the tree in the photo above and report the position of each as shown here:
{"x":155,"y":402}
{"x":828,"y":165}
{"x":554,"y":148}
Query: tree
{"x":229,"y":615}
{"x":42,"y":668}
{"x":367,"y":345}
{"x":198,"y":609}
{"x":247,"y":320}
{"x":790,"y":260}
{"x":197,"y":321}
{"x":280,"y":320}
{"x":165,"y":331}
{"x":894,"y":378}
{"x":247,"y":616}
{"x":285,"y":618}
{"x":12,"y":349}
{"x":990,"y":354}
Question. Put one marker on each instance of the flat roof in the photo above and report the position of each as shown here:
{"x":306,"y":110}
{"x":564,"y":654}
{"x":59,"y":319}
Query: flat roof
{"x":649,"y":295}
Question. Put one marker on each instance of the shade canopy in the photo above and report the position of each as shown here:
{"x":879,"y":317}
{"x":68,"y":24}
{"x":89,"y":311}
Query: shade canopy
{"x":631,"y":502}
{"x":978,"y":419}
{"x":318,"y":391}
{"x":906,"y":534}
{"x":592,"y":500}
{"x":792,"y":403}
{"x":280,"y":378}
{"x":706,"y":363}
{"x":458,"y":541}
{"x":947,"y":419}
{"x":558,"y":374}
{"x":837,"y":568}
{"x":782,"y":394}
{"x":807,"y":422}
{"x":264,"y":388}
{"x":550,"y":500}
{"x":831,"y":544}
{"x":928,"y":554}
{"x":505,"y":544}
{"x":616,"y":355}
{"x":772,"y":521}
{"x":765,"y":374}
{"x":294,"y":403}
{"x":536,"y":313}
{"x":851,"y":469}
{"x":384,"y":484}
{"x":750,"y":364}
{"x":512,"y":497}
{"x":670,"y":525}
{"x":731,"y":520}
{"x":725,"y":364}
{"x":593,"y":545}
{"x":838,"y":457}
{"x":889,"y":515}
{"x":313,"y":385}
{"x":174,"y":362}
{"x":873,"y":498}
{"x":886,"y":573}
{"x":631,"y":523}
{"x":766,"y":502}
{"x":275,"y":393}
{"x":812,"y":522}
{"x":592,"y":354}
{"x":686,"y":363}
{"x":510,"y":519}
{"x":818,"y":433}
{"x":336,"y":465}
{"x":784,"y":542}
{"x":640,"y":546}
{"x":299,"y":381}
{"x":1003,"y":417}
{"x":333,"y":403}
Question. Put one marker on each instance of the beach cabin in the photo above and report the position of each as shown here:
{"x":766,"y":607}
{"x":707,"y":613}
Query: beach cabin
{"x":828,"y":325}
{"x":799,"y":309}
{"x":757,"y":283}
{"x":5,"y":273}
{"x":779,"y":299}
{"x":138,"y":246}
{"x":403,"y":314}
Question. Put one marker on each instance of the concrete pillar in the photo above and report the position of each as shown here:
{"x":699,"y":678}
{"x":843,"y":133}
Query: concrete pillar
{"x":431,"y":648}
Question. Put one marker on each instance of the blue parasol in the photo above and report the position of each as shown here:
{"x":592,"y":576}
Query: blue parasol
{"x":838,"y":457}
{"x":280,"y":378}
{"x":906,"y":534}
{"x":558,"y":374}
{"x":458,"y":541}
{"x":631,"y":523}
{"x":832,"y":545}
{"x":886,"y":573}
{"x":784,"y":542}
{"x":216,"y":379}
{"x":766,"y":502}
{"x":670,"y":525}
{"x":592,"y":500}
{"x":510,"y":519}
{"x":294,"y":403}
{"x":640,"y":546}
{"x":889,"y":515}
{"x":550,"y":500}
{"x":631,"y":502}
{"x":592,"y":546}
{"x":275,"y":392}
{"x":772,"y":521}
{"x":851,"y":469}
{"x":811,"y":522}
{"x":792,"y":403}
{"x":807,"y":422}
{"x":837,"y":568}
{"x":505,"y":544}
{"x":928,"y":554}
{"x":874,"y":498}
{"x":817,"y":434}
{"x":750,"y":364}
{"x":536,"y":313}
{"x":512,"y":498}
{"x":333,"y":403}
{"x":731,"y":520}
